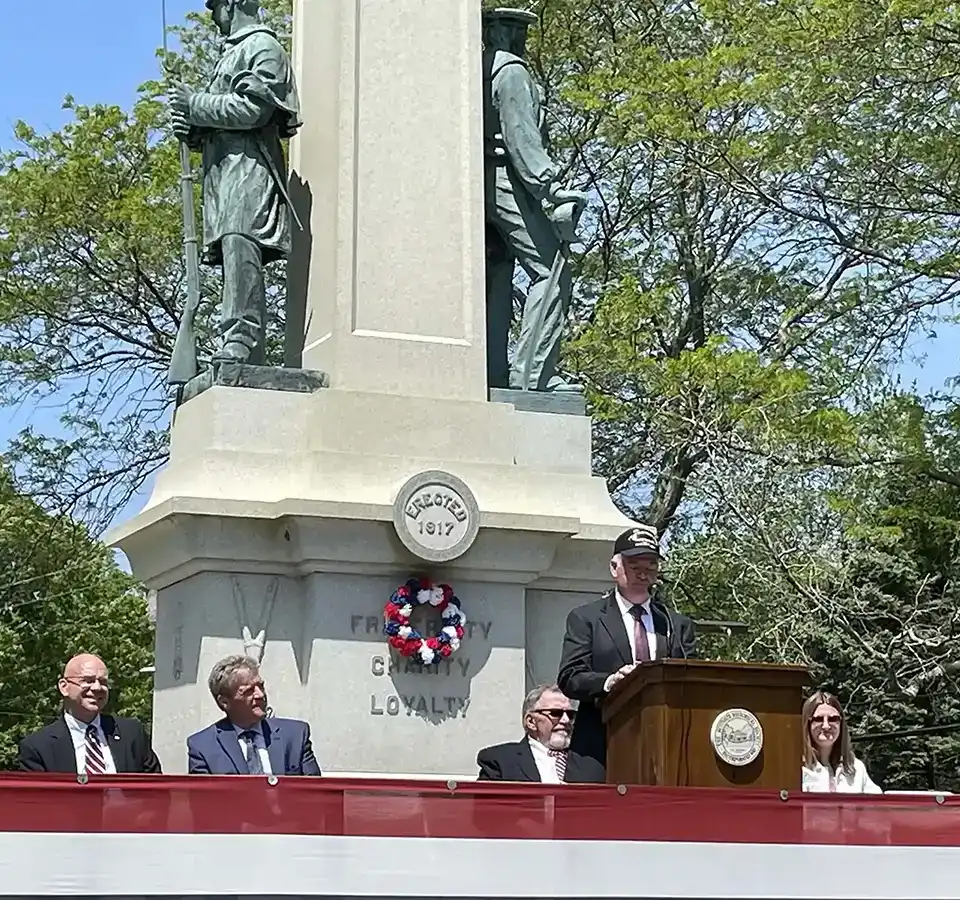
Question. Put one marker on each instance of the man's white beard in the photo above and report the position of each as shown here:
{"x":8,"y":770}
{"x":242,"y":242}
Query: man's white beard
{"x":559,"y":740}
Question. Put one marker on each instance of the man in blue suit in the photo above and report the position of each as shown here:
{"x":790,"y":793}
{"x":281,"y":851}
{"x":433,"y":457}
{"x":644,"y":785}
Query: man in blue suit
{"x":246,"y":741}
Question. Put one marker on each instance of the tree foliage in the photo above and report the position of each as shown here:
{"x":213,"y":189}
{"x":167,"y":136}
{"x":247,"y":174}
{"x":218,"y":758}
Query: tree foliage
{"x":91,"y":289}
{"x":853,"y":575}
{"x":62,"y":594}
{"x":764,"y":240}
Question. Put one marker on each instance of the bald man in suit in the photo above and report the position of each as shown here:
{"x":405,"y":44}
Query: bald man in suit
{"x":84,"y":739}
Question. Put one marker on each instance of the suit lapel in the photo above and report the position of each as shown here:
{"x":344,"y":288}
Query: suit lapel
{"x":573,"y":768}
{"x":612,"y":621}
{"x":271,"y":737}
{"x":526,"y":762}
{"x":116,"y":746}
{"x":64,"y":754}
{"x":227,"y":737}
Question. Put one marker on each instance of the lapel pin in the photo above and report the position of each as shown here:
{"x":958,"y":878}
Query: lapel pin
{"x":116,"y":737}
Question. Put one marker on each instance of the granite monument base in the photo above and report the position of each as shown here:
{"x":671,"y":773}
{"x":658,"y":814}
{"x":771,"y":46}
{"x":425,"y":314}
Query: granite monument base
{"x":275,"y":515}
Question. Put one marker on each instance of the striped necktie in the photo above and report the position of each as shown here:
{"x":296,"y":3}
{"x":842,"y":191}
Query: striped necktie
{"x":560,"y":761}
{"x":95,"y":763}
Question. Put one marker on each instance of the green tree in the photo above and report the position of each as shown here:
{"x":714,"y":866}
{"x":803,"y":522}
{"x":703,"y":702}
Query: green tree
{"x":91,"y":289}
{"x":852,"y":574}
{"x":62,"y":594}
{"x":753,"y":269}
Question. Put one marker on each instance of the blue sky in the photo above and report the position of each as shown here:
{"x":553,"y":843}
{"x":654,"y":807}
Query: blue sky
{"x":97,"y":50}
{"x":101,"y":50}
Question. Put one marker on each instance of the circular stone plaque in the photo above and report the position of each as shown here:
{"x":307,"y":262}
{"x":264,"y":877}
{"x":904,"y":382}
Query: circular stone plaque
{"x":737,"y":736}
{"x":436,"y":516}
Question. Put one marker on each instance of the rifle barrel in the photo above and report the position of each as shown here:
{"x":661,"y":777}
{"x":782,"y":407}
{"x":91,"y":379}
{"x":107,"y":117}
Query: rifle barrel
{"x":183,"y":363}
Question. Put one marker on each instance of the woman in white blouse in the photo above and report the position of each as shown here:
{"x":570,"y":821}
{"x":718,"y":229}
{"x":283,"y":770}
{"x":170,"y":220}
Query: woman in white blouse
{"x":829,"y":764}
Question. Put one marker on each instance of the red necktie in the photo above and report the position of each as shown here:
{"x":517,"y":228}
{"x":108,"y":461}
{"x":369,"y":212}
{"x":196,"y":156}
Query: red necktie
{"x":642,"y":647}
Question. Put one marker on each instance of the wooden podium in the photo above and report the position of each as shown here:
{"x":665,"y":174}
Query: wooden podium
{"x":660,"y":717}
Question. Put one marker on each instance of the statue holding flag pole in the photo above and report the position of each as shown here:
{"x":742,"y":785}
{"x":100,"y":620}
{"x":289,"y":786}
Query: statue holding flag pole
{"x":237,"y":123}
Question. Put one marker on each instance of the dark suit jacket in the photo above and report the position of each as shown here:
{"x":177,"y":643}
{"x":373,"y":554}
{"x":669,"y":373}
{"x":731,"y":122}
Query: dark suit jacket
{"x":51,"y":748}
{"x":595,"y":645}
{"x":216,"y":749}
{"x":515,"y":762}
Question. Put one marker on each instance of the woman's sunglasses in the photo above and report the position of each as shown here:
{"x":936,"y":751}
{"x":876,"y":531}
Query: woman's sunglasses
{"x":826,"y":720}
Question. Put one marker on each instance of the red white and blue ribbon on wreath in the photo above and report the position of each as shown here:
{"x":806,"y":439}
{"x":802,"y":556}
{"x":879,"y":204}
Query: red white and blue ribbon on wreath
{"x":409,"y":642}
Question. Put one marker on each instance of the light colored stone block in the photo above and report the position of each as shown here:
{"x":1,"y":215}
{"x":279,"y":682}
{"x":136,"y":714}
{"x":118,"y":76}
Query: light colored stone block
{"x":326,"y":659}
{"x":545,"y":615}
{"x":330,"y":452}
{"x":386,"y":288}
{"x":383,"y":713}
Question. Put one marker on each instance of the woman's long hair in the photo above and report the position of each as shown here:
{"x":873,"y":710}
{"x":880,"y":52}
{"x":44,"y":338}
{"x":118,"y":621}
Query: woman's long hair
{"x":841,"y":753}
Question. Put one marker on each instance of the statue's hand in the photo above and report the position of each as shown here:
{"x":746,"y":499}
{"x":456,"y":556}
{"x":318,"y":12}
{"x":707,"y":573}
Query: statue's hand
{"x":559,"y":196}
{"x":179,"y":96}
{"x":565,"y":210}
{"x":180,"y":125}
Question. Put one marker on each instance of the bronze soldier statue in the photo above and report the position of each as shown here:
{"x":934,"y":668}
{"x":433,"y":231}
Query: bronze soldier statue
{"x":531,"y":217}
{"x":238,"y":122}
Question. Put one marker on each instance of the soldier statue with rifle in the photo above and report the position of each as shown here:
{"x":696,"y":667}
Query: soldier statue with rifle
{"x":238,"y":123}
{"x":531,"y":217}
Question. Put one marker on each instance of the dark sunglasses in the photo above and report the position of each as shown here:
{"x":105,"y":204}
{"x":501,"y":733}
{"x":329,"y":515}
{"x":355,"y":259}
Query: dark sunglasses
{"x":827,"y":720}
{"x":557,"y":714}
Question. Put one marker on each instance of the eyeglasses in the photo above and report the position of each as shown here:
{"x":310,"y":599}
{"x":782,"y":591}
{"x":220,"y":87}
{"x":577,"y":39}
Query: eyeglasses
{"x":88,"y":682}
{"x":557,"y":714}
{"x":826,"y":720}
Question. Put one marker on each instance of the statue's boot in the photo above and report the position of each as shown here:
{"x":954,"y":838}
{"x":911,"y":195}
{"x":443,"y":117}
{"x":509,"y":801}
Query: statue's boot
{"x":231,"y":352}
{"x":558,"y":385}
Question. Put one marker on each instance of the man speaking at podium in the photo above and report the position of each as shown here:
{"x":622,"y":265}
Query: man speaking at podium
{"x":605,"y":640}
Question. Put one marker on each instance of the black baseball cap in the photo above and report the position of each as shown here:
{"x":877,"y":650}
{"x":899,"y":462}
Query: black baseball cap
{"x":521,"y":17}
{"x":641,"y":540}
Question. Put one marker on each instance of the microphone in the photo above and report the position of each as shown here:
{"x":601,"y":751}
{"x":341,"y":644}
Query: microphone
{"x":666,"y":613}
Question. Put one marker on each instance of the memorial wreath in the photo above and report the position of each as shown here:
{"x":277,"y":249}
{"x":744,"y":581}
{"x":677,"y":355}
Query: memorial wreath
{"x":405,"y":639}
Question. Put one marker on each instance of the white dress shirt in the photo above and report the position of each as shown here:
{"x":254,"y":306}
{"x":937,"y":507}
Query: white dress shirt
{"x":546,"y":764}
{"x":630,"y":623}
{"x":258,"y":742}
{"x":816,"y":779}
{"x":78,"y":732}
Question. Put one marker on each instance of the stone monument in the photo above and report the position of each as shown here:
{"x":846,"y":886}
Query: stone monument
{"x":286,"y":519}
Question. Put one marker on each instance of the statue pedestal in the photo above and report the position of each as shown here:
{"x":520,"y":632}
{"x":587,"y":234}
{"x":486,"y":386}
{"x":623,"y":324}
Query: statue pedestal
{"x":276,"y":513}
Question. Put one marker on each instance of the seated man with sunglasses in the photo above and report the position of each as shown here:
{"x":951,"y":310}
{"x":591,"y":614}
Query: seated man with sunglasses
{"x":543,"y":755}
